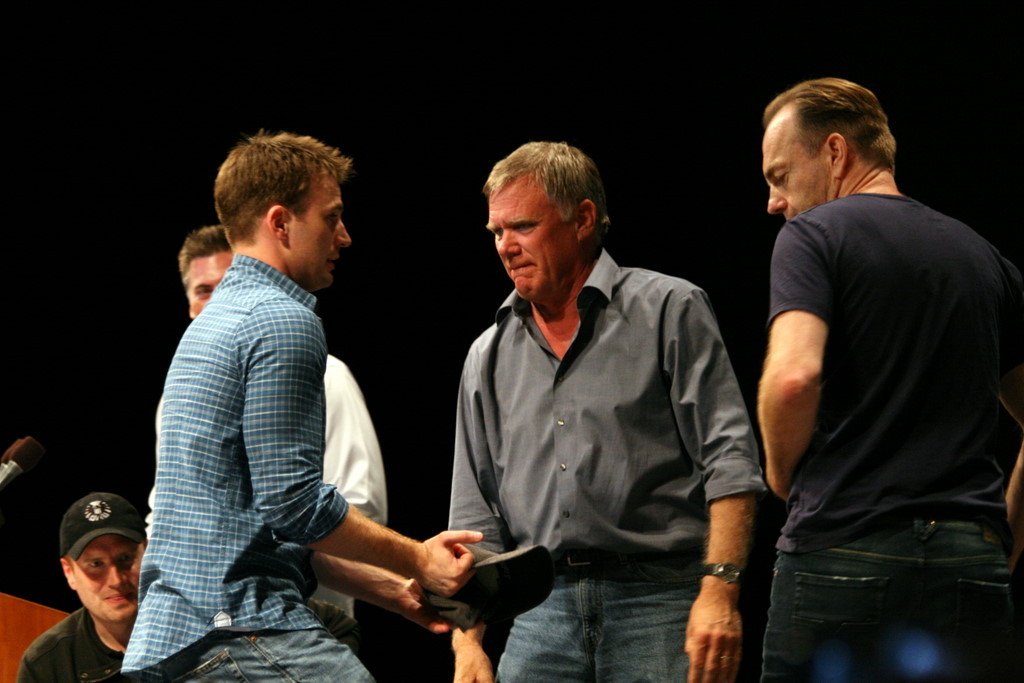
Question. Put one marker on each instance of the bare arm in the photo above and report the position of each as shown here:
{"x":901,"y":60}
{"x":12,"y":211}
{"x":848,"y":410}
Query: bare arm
{"x":1011,"y":393}
{"x":714,"y":633}
{"x":471,"y":662}
{"x":440,"y":564}
{"x":789,"y":393}
{"x":378,"y":587}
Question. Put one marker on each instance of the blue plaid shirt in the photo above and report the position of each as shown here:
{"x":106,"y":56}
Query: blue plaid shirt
{"x":238,"y":486}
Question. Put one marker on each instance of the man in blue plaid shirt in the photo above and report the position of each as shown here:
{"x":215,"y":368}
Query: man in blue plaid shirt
{"x":240,"y":502}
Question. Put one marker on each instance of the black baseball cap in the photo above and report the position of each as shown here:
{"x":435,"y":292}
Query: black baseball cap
{"x":93,"y":516}
{"x":504,"y":585}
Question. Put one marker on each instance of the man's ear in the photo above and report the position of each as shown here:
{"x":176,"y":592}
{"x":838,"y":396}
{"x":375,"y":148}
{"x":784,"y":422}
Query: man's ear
{"x":838,"y":154}
{"x":69,"y":572}
{"x":277,"y":221}
{"x":586,"y":219}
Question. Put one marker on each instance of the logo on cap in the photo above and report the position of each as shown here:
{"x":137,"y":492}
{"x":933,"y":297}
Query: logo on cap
{"x":97,"y":510}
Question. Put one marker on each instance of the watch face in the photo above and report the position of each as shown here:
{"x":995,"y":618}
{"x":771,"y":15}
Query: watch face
{"x":729,"y":573}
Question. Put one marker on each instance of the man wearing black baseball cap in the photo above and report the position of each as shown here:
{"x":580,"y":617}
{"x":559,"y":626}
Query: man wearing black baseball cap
{"x":102,"y":538}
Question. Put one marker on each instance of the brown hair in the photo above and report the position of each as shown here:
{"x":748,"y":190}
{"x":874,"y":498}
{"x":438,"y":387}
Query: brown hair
{"x":567,"y":175}
{"x":205,"y":241}
{"x":833,"y":105}
{"x":267,"y":169}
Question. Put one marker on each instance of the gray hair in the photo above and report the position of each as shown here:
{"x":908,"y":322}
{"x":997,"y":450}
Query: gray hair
{"x":567,"y":175}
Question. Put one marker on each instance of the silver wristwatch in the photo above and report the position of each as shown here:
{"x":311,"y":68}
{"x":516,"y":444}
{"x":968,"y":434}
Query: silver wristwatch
{"x":729,"y":573}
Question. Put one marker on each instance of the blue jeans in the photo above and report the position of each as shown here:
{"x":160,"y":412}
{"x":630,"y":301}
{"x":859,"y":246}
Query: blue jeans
{"x":902,"y":602}
{"x":309,"y":655}
{"x":617,"y":622}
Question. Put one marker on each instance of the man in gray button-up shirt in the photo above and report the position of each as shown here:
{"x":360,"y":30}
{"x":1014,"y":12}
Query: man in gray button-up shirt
{"x":599,"y":416}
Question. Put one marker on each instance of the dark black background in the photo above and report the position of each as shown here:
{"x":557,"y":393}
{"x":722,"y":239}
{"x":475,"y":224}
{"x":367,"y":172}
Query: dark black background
{"x":117,"y":122}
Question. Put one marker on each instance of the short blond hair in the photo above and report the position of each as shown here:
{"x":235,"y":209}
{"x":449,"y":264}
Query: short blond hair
{"x":268,"y":169}
{"x":205,"y":241}
{"x":565,"y":173}
{"x":833,"y":105}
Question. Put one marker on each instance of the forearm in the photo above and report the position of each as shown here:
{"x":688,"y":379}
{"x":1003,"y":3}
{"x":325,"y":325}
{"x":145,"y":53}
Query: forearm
{"x":730,"y":529}
{"x":789,"y":393}
{"x":1011,"y":393}
{"x":472,"y":665}
{"x":366,"y":582}
{"x":787,"y":416}
{"x":441,"y":564}
{"x":468,"y":638}
{"x":714,"y":632}
{"x":1015,"y":508}
{"x":379,"y":587}
{"x":362,"y":540}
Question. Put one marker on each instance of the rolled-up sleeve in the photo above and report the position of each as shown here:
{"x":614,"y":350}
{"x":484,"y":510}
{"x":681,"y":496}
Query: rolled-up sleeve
{"x":710,"y":413}
{"x":283,"y":423}
{"x":474,"y":482}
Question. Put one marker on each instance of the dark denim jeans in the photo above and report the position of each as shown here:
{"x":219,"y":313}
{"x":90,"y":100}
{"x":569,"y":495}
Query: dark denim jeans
{"x":905,"y":601}
{"x":618,"y":622}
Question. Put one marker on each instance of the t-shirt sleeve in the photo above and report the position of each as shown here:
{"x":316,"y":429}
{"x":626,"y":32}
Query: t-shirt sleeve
{"x":800,"y":277}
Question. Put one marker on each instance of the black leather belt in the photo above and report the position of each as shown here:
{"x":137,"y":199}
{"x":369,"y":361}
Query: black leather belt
{"x":588,"y":557}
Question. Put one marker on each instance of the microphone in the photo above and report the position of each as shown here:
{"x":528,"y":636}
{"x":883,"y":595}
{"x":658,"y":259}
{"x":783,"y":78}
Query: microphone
{"x":22,"y":456}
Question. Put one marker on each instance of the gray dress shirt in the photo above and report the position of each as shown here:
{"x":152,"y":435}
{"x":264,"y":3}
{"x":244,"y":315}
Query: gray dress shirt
{"x":620,"y":445}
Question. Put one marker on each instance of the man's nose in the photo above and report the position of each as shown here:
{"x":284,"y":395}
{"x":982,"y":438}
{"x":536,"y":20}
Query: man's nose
{"x":341,"y":236}
{"x":507,"y":243}
{"x":118,"y":575}
{"x":776,"y":204}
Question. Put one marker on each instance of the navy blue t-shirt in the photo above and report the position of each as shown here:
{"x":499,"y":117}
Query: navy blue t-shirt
{"x":924,"y":319}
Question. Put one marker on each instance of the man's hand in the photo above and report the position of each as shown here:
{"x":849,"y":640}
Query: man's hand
{"x":472,"y":665}
{"x":714,"y":633}
{"x":379,"y":587}
{"x":445,"y":563}
{"x":411,"y":604}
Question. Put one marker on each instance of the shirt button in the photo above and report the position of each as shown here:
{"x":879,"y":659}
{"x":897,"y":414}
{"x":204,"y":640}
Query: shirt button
{"x":561,"y":423}
{"x":565,"y":513}
{"x":562,"y":466}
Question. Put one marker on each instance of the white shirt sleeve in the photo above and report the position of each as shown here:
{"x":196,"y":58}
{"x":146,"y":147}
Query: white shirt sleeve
{"x":352,"y":460}
{"x":151,"y":501}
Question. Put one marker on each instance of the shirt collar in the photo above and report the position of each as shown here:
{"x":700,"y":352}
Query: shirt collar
{"x":599,"y":283}
{"x":253,"y":267}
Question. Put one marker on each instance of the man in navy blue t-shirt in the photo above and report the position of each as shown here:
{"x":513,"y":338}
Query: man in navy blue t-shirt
{"x":894,"y":331}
